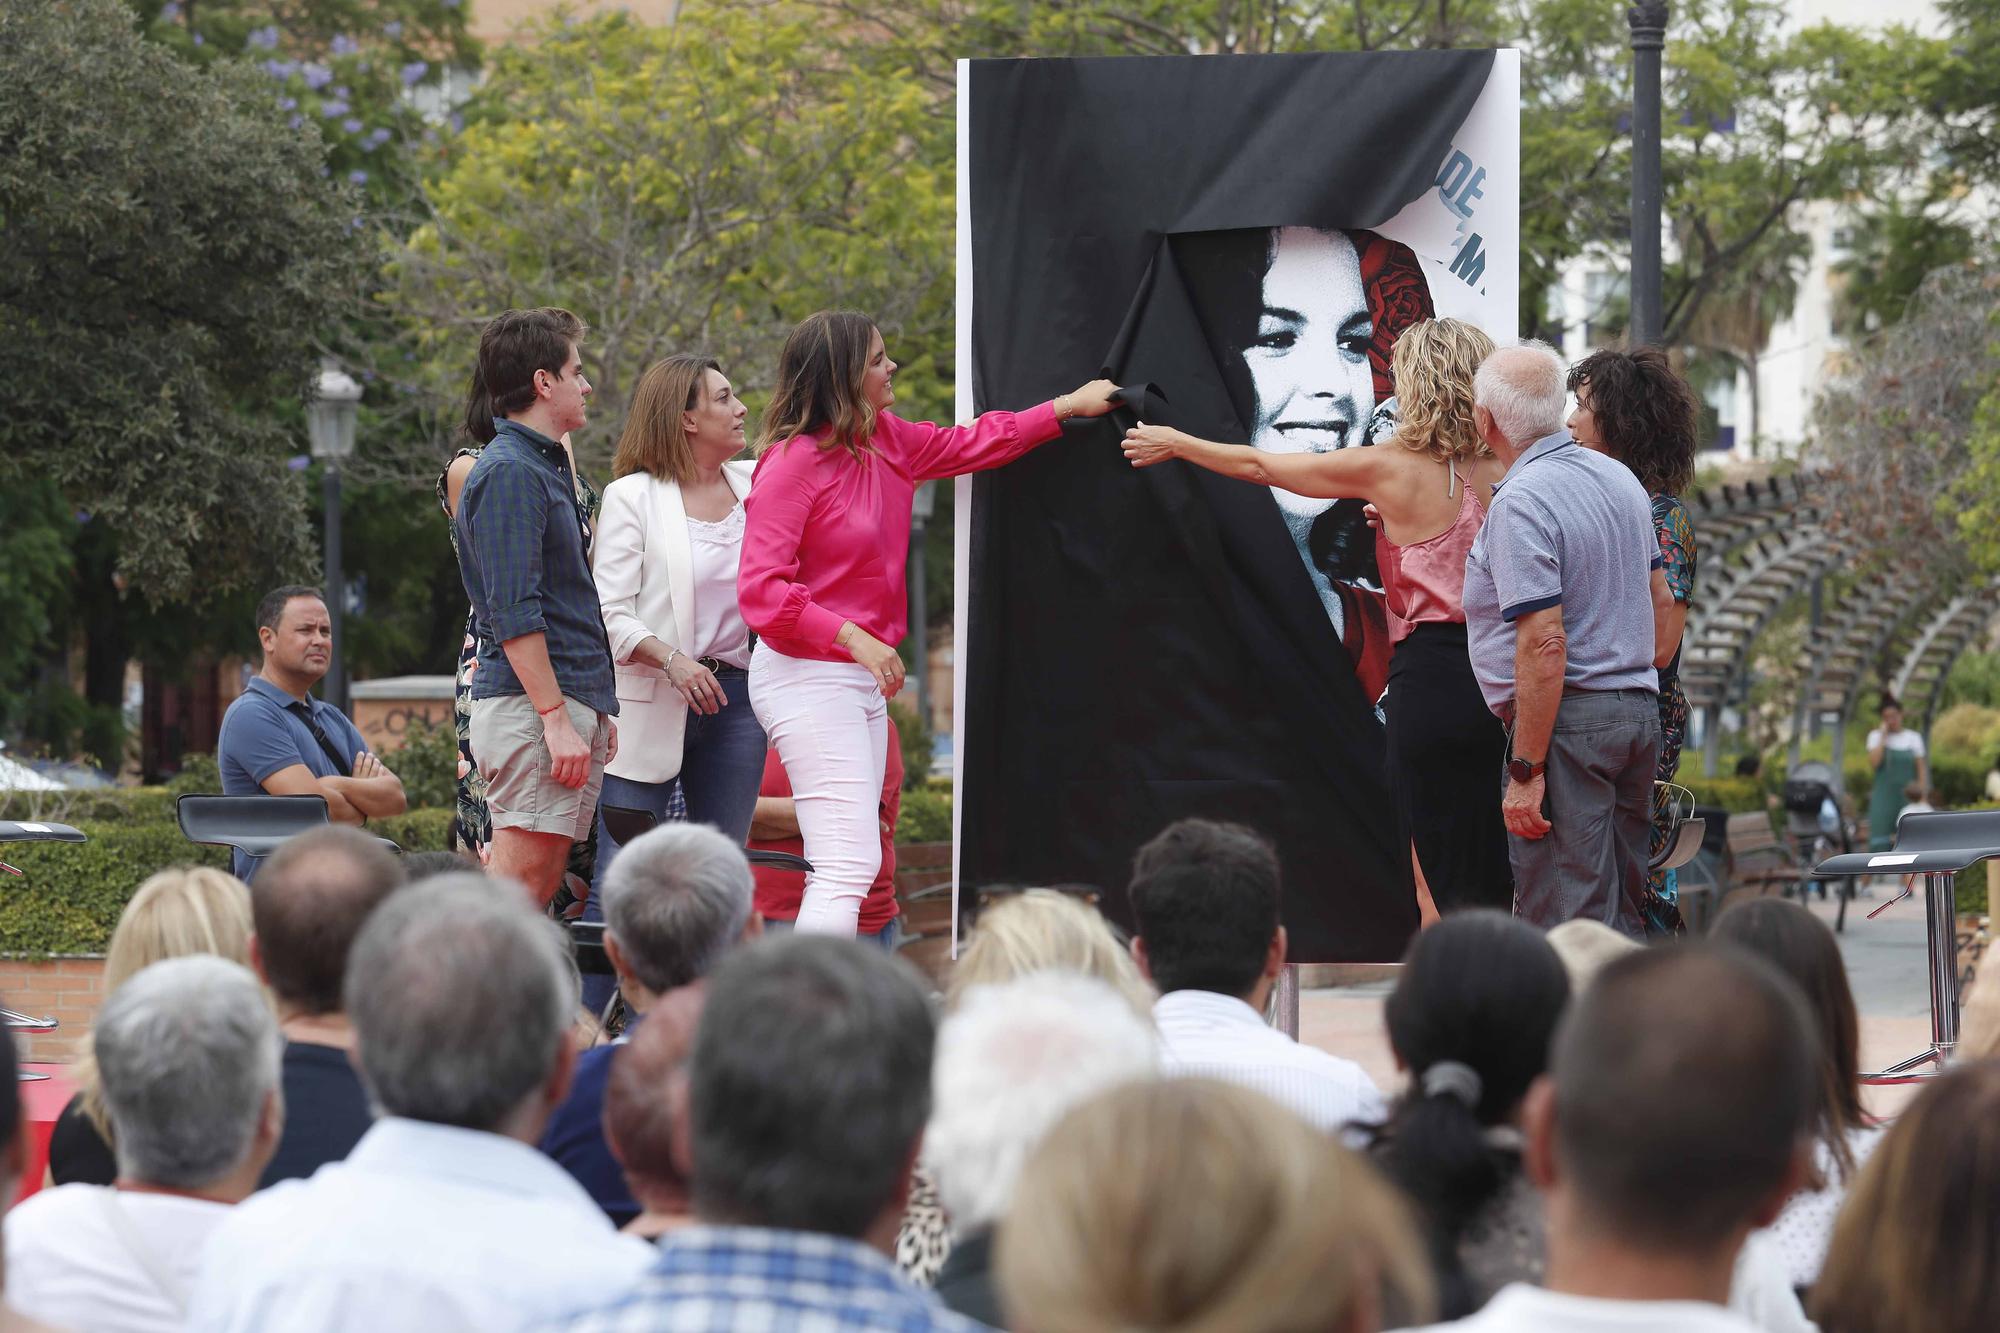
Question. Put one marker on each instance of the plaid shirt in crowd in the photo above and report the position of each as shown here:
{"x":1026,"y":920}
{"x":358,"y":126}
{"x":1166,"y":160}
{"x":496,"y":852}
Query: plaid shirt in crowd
{"x":521,"y":554}
{"x":752,"y":1280}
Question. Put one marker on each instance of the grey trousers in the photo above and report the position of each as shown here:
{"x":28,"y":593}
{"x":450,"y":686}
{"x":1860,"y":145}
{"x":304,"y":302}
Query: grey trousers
{"x":1592,"y":861}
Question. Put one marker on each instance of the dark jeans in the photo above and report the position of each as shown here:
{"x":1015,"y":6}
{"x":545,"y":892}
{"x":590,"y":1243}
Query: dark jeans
{"x":1592,"y":861}
{"x":722,"y":765}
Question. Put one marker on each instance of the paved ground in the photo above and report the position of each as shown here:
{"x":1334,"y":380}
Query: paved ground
{"x":1885,"y":966}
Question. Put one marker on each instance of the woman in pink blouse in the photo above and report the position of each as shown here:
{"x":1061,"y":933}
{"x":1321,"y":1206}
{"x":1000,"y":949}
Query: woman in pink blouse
{"x":826,"y":536}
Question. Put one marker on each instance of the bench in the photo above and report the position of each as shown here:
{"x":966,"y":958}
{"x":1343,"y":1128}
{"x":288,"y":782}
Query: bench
{"x":1758,"y":863}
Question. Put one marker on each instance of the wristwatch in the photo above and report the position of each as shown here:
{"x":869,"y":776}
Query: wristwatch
{"x":1521,"y":770}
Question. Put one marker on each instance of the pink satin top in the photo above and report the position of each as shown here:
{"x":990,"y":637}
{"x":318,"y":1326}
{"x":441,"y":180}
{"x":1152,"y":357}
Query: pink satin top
{"x":1425,"y":581}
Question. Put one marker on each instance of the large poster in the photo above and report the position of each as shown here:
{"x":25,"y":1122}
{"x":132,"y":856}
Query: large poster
{"x":1249,"y":235}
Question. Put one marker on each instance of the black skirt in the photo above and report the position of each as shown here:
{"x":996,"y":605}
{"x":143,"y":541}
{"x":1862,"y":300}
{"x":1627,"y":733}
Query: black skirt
{"x":1446,"y":752}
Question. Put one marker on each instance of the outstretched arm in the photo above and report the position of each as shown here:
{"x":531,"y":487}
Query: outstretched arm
{"x":1340,"y":475}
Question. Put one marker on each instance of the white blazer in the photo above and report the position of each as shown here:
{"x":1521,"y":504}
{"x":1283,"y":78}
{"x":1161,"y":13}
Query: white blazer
{"x":645,"y":582}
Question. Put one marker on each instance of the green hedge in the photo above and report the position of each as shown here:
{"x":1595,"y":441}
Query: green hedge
{"x":925,"y":816}
{"x":71,"y":894}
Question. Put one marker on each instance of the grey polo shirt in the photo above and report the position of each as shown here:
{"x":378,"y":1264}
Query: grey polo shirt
{"x":1569,"y":527}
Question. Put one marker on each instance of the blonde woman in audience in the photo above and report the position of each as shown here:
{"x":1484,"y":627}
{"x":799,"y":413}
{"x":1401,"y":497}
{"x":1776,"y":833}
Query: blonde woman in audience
{"x":1917,"y":1246}
{"x":176,"y":913}
{"x":1799,"y":945}
{"x":1192,"y":1206}
{"x":1036,"y":930}
{"x":1043,"y":930}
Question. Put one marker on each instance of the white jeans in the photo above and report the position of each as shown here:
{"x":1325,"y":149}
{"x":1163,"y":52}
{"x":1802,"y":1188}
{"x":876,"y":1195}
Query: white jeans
{"x":831,"y":729}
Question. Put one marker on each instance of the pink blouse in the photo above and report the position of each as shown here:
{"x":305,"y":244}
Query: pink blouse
{"x":826,"y":537}
{"x":1425,"y":581}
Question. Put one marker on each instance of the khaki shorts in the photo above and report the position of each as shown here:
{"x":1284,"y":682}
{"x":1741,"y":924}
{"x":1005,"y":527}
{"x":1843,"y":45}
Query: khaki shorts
{"x":513,"y":757}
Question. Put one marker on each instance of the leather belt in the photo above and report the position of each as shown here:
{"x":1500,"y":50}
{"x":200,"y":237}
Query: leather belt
{"x":716,"y":666}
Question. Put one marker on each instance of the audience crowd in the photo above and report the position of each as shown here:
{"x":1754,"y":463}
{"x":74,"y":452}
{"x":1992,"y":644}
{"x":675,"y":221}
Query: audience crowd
{"x":339,"y":1100}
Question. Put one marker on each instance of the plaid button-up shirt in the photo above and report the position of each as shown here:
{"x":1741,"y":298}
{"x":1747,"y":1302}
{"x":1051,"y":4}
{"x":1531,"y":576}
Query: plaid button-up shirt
{"x":521,"y":554}
{"x":752,"y":1280}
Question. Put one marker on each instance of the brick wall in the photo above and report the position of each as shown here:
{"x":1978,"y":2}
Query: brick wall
{"x":65,"y":989}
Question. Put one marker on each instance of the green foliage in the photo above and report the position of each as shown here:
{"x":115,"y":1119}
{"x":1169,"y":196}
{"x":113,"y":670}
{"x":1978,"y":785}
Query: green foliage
{"x":428,"y":765}
{"x":71,"y":895}
{"x":914,"y":732}
{"x":1974,"y":679}
{"x":1891,"y":251}
{"x":1734,"y":794}
{"x":697,"y":185}
{"x":34,"y":575}
{"x":200,"y":775}
{"x":164,"y":304}
{"x":925,"y":816}
{"x":1969,"y":730}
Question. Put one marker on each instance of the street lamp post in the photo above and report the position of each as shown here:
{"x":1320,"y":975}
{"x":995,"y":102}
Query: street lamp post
{"x":1648,"y":22}
{"x":330,"y":421}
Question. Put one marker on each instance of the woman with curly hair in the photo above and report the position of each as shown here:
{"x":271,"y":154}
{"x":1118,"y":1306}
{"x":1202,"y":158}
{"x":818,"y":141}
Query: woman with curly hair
{"x":1635,"y":407}
{"x":1445,"y":748}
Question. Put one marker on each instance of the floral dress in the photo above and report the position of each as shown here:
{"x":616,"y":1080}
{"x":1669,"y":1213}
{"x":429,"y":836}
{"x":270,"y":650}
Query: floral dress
{"x":1677,"y":561}
{"x":472,"y":827}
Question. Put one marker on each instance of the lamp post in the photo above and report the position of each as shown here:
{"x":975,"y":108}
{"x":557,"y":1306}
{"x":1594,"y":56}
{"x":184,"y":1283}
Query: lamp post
{"x":922,"y":504}
{"x":1648,"y":22}
{"x":330,"y":421}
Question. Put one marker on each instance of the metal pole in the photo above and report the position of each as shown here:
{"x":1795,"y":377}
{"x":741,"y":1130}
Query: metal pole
{"x":1648,"y":22}
{"x":335,"y":690}
{"x":1285,"y":999}
{"x":919,"y":625}
{"x":1941,"y":900}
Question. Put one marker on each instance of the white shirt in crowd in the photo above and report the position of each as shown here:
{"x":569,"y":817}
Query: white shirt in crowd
{"x":1206,"y":1035}
{"x":1804,"y":1229}
{"x":110,"y":1261}
{"x":1524,"y":1309}
{"x":424,"y":1228}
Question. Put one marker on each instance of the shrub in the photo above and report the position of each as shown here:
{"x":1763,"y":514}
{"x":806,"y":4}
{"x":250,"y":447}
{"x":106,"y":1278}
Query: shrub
{"x":915,"y":733}
{"x":427,"y":763}
{"x":1734,"y":794}
{"x":925,"y":816}
{"x":71,"y":894}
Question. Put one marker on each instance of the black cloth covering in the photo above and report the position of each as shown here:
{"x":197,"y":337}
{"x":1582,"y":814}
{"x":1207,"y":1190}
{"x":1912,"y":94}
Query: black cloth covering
{"x":1146,"y":646}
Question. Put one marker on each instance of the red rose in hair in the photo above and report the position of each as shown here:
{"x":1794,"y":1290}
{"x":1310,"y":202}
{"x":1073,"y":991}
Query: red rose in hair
{"x":1398,"y":297}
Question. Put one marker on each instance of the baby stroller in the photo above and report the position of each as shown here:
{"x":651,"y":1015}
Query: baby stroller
{"x":1816,"y":828}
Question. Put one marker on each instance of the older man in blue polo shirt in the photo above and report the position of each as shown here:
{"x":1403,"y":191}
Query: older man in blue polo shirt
{"x":277,"y":738}
{"x":1559,"y":616}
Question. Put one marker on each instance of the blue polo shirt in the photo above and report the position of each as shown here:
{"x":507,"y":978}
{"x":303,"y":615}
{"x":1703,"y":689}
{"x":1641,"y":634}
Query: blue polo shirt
{"x":266,"y":730}
{"x":1573,"y":528}
{"x":575,"y":1134}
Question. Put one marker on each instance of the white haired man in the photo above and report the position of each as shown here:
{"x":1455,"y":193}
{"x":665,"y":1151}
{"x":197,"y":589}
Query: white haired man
{"x":1559,"y":603}
{"x":444,"y":1217}
{"x":187,"y":1055}
{"x":1012,"y":1059}
{"x":676,"y":899}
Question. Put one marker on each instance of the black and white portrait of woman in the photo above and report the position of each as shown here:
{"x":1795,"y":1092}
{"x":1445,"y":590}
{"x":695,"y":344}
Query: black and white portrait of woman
{"x":1303,"y":322}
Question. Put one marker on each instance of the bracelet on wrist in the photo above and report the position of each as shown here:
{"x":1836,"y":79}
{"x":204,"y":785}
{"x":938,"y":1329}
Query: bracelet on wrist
{"x":1063,"y":412}
{"x":554,"y":707}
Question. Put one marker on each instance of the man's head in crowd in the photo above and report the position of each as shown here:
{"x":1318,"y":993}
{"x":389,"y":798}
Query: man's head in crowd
{"x":646,"y":1105}
{"x":311,"y":899}
{"x":1675,"y":1137}
{"x":675,"y":900}
{"x":1204,"y":901}
{"x":1012,"y":1059}
{"x":811,"y":1086}
{"x":296,"y":634}
{"x":461,"y":997}
{"x":1520,"y":394}
{"x":187,"y":1056}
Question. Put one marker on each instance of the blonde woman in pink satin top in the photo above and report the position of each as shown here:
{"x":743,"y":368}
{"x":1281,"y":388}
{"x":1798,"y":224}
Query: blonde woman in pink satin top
{"x":1446,"y":751}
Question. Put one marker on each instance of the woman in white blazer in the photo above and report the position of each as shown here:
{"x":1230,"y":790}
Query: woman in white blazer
{"x":668,"y":539}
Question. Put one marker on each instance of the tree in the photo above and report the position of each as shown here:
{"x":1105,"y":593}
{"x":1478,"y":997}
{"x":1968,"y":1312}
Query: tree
{"x":171,"y":251}
{"x":694,"y":186}
{"x":1893,"y":430}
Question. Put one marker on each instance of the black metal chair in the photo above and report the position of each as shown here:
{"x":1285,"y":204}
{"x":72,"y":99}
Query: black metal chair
{"x":1936,"y":845}
{"x":253,"y":825}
